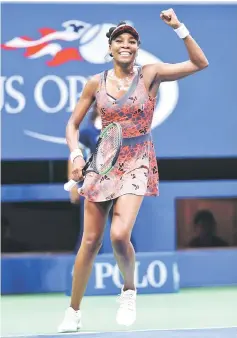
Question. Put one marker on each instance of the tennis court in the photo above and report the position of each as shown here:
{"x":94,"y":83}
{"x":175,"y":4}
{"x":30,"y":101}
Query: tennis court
{"x":203,"y":312}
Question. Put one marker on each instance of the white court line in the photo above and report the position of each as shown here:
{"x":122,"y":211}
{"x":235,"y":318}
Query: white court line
{"x":128,"y":331}
{"x":189,"y":329}
{"x":53,"y":334}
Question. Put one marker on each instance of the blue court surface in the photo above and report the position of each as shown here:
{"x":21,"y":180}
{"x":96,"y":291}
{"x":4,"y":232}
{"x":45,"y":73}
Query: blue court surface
{"x":190,"y":333}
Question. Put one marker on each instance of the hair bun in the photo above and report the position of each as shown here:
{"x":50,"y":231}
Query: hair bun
{"x":110,"y":32}
{"x":121,"y":23}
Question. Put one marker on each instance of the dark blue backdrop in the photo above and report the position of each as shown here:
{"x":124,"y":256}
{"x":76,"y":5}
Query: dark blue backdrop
{"x":195,"y":117}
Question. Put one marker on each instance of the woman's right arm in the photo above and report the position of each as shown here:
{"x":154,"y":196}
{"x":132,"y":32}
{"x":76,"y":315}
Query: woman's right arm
{"x":83,"y":105}
{"x":72,"y":133}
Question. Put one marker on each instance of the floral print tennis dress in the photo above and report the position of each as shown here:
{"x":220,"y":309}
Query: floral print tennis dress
{"x":135,"y":171}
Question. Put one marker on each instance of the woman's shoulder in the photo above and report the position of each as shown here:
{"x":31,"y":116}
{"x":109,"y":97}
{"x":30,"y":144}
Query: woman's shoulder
{"x":96,"y":78}
{"x":93,"y":82}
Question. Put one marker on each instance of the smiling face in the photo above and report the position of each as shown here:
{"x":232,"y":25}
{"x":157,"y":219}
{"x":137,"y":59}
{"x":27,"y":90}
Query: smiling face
{"x":124,"y":48}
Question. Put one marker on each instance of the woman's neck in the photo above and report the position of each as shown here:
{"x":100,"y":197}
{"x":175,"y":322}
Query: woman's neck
{"x":124,"y":70}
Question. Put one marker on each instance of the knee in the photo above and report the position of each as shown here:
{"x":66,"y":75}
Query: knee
{"x":92,"y":243}
{"x":120,"y":239}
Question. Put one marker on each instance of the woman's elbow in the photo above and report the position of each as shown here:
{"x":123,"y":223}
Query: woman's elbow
{"x":204,"y":64}
{"x":71,"y":124}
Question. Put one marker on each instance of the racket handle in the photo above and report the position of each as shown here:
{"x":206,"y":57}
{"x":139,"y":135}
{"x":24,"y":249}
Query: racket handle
{"x":69,"y":185}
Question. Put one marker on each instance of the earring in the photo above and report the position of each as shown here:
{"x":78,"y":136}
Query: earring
{"x":108,"y":57}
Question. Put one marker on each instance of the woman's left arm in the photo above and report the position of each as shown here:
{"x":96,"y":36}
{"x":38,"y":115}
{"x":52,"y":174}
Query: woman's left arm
{"x":197,"y":59}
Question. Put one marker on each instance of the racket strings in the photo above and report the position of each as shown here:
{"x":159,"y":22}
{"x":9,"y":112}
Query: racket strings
{"x":107,"y":149}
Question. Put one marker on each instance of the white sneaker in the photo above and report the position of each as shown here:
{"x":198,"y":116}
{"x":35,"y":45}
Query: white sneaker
{"x":71,"y":321}
{"x":126,"y":314}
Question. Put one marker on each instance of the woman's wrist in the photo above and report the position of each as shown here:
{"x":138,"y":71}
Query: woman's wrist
{"x":182,"y":31}
{"x":75,"y":153}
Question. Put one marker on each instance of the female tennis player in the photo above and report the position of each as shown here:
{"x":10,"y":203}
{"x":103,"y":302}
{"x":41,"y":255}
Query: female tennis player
{"x":125,"y":94}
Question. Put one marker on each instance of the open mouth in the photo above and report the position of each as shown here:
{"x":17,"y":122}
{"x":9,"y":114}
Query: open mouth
{"x":125,"y":53}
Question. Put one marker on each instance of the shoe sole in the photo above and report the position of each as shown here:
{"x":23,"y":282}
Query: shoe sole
{"x":70,"y":331}
{"x":125,"y":324}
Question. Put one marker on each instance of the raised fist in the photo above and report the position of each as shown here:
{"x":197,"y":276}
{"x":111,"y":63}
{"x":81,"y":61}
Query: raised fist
{"x":170,"y":18}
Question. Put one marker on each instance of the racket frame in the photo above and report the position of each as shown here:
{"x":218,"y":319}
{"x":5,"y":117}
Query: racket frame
{"x":103,"y":133}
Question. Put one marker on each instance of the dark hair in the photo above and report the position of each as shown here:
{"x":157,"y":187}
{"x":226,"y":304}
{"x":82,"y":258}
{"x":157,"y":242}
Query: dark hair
{"x":207,"y":219}
{"x":204,"y":216}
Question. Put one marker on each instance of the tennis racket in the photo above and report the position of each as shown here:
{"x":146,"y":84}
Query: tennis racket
{"x":106,"y":154}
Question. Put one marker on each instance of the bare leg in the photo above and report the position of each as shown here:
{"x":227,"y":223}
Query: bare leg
{"x":94,"y":225}
{"x":125,"y":212}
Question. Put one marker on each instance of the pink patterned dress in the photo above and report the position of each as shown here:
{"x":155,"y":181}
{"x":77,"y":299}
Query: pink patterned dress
{"x":135,"y":171}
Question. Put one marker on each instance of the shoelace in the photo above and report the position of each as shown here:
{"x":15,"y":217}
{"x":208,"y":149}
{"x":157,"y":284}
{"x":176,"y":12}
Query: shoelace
{"x":126,"y":301}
